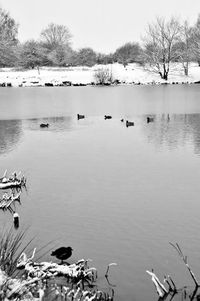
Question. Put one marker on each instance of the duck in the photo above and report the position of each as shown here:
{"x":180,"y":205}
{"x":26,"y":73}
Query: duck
{"x":79,"y":116}
{"x":129,"y":123}
{"x":44,"y":125}
{"x":107,"y":117}
{"x":150,"y":119}
{"x":62,"y":253}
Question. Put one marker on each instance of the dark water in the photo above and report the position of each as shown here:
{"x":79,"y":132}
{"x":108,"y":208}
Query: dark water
{"x":114,"y":194}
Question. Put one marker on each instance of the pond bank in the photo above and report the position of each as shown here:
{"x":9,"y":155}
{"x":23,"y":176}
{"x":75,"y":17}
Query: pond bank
{"x":82,"y":76}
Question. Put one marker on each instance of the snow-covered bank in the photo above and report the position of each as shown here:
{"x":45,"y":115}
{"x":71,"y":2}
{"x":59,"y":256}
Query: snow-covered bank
{"x":132,"y":74}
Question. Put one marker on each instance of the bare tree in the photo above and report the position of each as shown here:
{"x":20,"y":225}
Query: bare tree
{"x":128,"y":53}
{"x":8,"y":28}
{"x":8,"y":39}
{"x":55,"y":40}
{"x":32,"y":54}
{"x":60,"y":56}
{"x":186,"y":36}
{"x":195,"y":37}
{"x":183,"y":48}
{"x":159,"y":41}
{"x":84,"y":57}
{"x":56,"y":35}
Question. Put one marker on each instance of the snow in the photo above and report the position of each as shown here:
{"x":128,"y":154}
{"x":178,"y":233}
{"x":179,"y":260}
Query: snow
{"x":131,"y":74}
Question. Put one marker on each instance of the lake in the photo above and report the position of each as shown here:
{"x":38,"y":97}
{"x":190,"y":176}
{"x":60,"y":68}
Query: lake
{"x":115,"y":194}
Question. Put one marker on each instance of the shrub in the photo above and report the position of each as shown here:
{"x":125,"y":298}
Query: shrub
{"x":103,"y":76}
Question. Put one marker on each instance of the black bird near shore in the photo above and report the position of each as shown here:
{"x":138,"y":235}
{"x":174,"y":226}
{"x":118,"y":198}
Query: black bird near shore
{"x":62,"y":253}
{"x":79,"y":116}
{"x":44,"y":125}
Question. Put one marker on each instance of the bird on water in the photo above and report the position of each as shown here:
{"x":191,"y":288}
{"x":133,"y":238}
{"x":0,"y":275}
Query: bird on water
{"x":79,"y":116}
{"x":44,"y":125}
{"x":107,"y":117}
{"x":62,"y":253}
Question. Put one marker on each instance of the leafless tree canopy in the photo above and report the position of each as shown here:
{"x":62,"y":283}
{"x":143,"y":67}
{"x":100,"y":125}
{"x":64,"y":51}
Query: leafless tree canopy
{"x":183,"y":47}
{"x":195,"y":37}
{"x":128,"y":53}
{"x":55,"y":40}
{"x":165,"y":41}
{"x":8,"y":39}
{"x":56,"y":35}
{"x":159,"y":41}
{"x":8,"y":28}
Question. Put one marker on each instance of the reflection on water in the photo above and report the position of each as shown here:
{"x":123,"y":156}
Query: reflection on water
{"x":173,"y":131}
{"x":10,"y":135}
{"x":56,"y":124}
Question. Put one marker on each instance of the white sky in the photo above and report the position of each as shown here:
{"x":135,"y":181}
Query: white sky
{"x":103,"y":25}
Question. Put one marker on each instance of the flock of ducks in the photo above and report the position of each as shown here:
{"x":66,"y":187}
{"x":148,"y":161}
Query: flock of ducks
{"x":63,"y":253}
{"x":128,"y":123}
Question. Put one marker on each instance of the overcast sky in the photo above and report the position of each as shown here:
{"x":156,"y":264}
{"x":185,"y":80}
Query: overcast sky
{"x":103,"y":25}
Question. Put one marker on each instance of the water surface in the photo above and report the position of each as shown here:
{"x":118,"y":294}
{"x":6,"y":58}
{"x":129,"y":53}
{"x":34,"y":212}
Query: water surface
{"x":115,"y":194}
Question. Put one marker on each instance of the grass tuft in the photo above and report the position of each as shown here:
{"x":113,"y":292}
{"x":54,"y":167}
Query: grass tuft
{"x":11,"y":247}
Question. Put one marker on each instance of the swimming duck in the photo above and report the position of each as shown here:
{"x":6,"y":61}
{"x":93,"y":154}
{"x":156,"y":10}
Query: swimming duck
{"x":44,"y":125}
{"x":107,"y":117}
{"x":129,"y":123}
{"x":80,"y":116}
{"x":150,"y":119}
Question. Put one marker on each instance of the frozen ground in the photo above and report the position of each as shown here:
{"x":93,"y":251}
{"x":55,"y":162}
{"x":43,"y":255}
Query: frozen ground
{"x":133,"y":73}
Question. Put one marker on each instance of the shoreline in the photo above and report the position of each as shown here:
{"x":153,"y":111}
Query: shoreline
{"x":133,"y":74}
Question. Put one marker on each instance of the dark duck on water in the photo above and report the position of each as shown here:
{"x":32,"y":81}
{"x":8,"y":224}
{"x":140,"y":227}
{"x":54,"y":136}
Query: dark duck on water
{"x":107,"y":117}
{"x":150,"y":119}
{"x":62,"y":253}
{"x":79,"y":116}
{"x":44,"y":125}
{"x":129,"y":123}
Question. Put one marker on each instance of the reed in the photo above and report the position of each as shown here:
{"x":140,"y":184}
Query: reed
{"x":23,"y":279}
{"x":11,"y":247}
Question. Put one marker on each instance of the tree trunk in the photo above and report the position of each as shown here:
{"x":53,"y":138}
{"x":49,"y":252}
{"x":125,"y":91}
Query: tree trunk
{"x":165,"y":72}
{"x":186,"y":69}
{"x":165,"y":75}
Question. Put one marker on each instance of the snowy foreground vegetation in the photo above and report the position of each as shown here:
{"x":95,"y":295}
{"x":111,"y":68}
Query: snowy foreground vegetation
{"x":22,"y":278}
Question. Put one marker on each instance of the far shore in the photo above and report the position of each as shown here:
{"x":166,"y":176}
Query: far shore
{"x":133,"y":74}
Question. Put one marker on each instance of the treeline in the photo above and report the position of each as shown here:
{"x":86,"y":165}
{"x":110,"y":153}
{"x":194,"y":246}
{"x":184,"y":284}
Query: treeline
{"x":53,"y":48}
{"x":163,"y":43}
